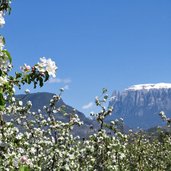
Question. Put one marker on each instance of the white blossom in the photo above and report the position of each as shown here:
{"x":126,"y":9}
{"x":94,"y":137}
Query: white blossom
{"x":13,"y":99}
{"x":13,"y":89}
{"x":32,"y":150}
{"x":29,"y":103}
{"x":3,"y":80}
{"x":25,"y":68}
{"x":27,"y":91}
{"x":19,"y":136}
{"x":24,"y":159}
{"x":47,"y":65}
{"x":2,"y":20}
{"x":4,"y":60}
{"x":20,"y":103}
{"x":1,"y":43}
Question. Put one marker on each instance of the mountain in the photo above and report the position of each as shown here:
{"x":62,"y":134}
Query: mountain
{"x":41,"y":99}
{"x":140,"y":105}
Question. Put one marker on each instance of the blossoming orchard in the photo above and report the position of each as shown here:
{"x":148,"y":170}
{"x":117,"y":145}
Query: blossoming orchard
{"x":37,"y":141}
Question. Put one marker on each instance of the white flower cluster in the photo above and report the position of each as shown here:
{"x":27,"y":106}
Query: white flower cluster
{"x":1,"y":44}
{"x":3,"y":80}
{"x":39,"y":141}
{"x":2,"y":21}
{"x":47,"y":65}
{"x":5,"y":65}
{"x":4,"y":59}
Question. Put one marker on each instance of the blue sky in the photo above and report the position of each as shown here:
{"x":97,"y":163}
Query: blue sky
{"x":95,"y":43}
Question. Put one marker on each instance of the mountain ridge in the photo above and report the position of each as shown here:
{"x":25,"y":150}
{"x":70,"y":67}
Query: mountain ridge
{"x":41,"y":99}
{"x":150,"y":86}
{"x":141,"y":104}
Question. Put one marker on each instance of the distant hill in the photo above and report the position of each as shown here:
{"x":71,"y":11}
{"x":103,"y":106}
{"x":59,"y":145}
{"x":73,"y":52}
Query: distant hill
{"x":140,"y":105}
{"x":39,"y":100}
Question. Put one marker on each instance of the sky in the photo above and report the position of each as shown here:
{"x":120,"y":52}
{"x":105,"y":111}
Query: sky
{"x":96,"y":44}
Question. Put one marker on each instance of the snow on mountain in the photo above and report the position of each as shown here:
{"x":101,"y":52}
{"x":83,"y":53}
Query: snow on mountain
{"x":150,"y":86}
{"x":140,"y":105}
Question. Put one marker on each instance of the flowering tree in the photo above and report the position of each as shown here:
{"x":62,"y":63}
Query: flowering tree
{"x":37,"y":141}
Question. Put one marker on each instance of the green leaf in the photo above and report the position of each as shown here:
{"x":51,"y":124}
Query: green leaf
{"x":18,"y":75}
{"x":3,"y":40}
{"x":24,"y":168}
{"x":27,"y":79}
{"x":41,"y":82}
{"x":8,"y":54}
{"x":2,"y":102}
{"x":46,"y":76}
{"x":35,"y":84}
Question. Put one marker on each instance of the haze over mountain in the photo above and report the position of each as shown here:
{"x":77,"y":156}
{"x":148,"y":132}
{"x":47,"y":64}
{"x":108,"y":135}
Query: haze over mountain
{"x":140,"y":105}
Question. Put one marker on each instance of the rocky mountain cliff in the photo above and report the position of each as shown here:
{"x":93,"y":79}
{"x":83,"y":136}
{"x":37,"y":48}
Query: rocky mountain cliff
{"x":140,"y":105}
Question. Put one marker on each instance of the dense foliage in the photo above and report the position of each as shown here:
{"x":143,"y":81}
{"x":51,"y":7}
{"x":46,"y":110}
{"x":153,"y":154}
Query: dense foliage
{"x":31,"y":141}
